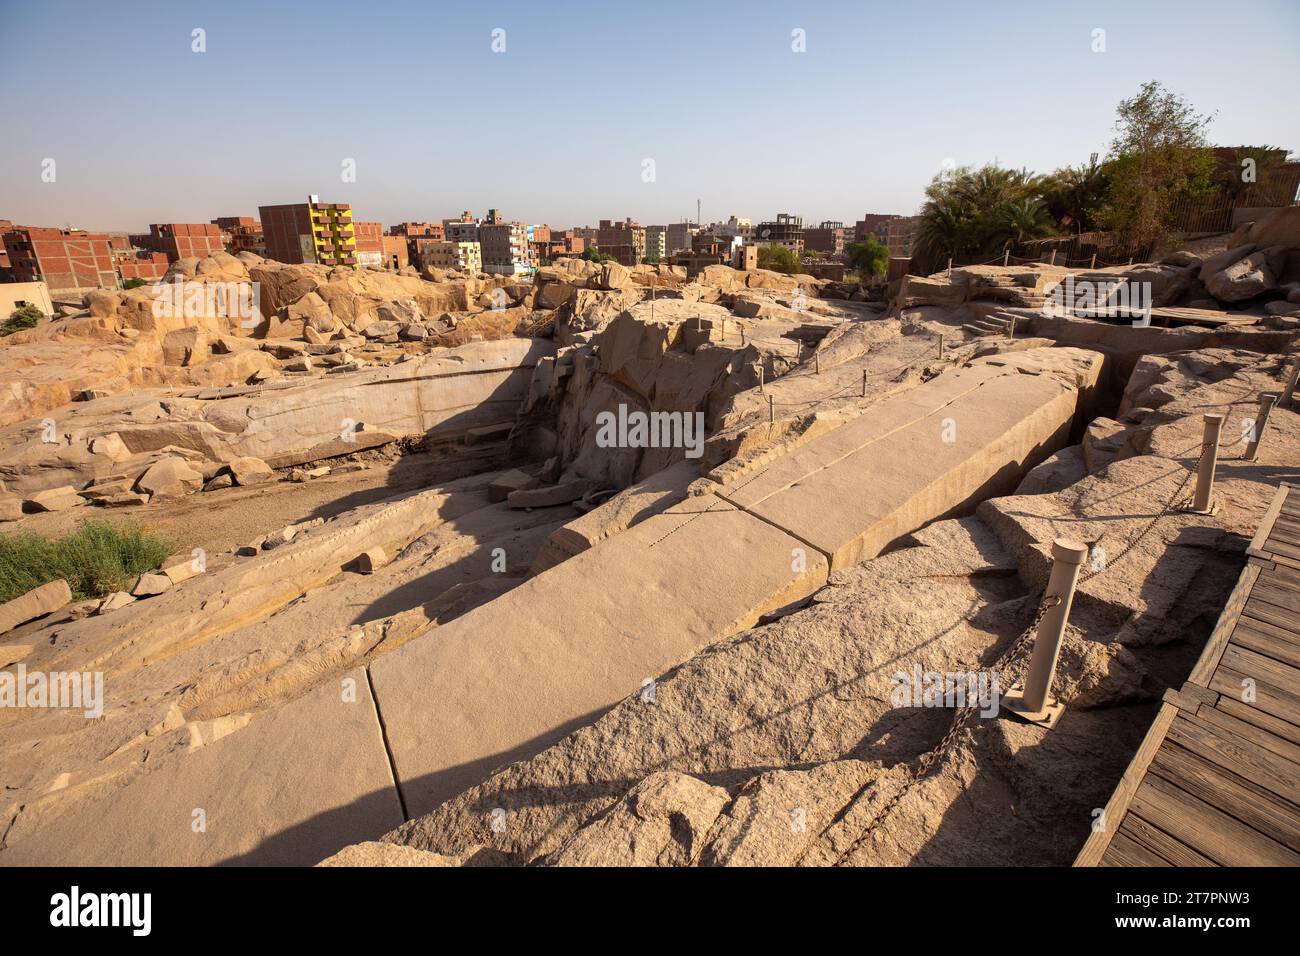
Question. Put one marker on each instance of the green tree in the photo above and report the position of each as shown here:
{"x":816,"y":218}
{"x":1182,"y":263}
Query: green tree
{"x":868,"y":258}
{"x":1023,"y":220}
{"x":778,"y":259}
{"x":1232,"y":177}
{"x":967,"y":212}
{"x":1075,"y":194}
{"x":1158,"y":156}
{"x":23,"y":317}
{"x":134,"y":283}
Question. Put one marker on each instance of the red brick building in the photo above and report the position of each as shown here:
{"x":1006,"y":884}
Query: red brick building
{"x":370,"y":243}
{"x":66,"y":260}
{"x":241,"y":234}
{"x":184,"y":240}
{"x":428,"y":230}
{"x":396,"y":253}
{"x":873,"y":224}
{"x":5,"y":226}
{"x":149,"y":266}
{"x":827,"y":238}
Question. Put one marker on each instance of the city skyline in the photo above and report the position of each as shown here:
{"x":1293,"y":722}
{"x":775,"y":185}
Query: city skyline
{"x":596,"y":114}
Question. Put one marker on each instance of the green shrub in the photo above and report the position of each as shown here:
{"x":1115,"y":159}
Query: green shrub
{"x":97,"y":559}
{"x":134,"y":283}
{"x":778,"y":259}
{"x":23,"y":317}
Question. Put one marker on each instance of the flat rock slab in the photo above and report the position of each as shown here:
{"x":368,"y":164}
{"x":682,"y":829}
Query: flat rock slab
{"x":511,"y":677}
{"x":35,"y":603}
{"x":925,"y":454}
{"x":288,"y":789}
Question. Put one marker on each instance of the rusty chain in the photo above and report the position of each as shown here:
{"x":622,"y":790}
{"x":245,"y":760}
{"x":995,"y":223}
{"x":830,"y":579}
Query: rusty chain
{"x":962,"y":717}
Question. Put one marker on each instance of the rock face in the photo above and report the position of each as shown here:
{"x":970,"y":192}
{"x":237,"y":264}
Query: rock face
{"x":663,"y":821}
{"x":35,"y":603}
{"x":444,"y":393}
{"x":328,"y":743}
{"x":781,"y":747}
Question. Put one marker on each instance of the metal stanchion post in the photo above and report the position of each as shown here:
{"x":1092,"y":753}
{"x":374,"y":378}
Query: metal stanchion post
{"x":1031,"y":701}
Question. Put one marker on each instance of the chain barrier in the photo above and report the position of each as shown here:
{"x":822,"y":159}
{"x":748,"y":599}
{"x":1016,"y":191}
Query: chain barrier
{"x":960,"y":720}
{"x":1009,"y":659}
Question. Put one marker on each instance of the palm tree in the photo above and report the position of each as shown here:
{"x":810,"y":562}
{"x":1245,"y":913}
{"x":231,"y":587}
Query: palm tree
{"x":1077,"y":192}
{"x":1024,"y":220}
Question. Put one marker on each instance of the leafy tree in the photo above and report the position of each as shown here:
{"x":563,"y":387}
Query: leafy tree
{"x":1159,"y":155}
{"x":592,"y":254}
{"x":1075,"y":194}
{"x":778,"y":259}
{"x":134,"y":283}
{"x":869,"y":257}
{"x":1023,"y":220}
{"x":976,"y":212}
{"x":23,"y":317}
{"x":1230,"y":177}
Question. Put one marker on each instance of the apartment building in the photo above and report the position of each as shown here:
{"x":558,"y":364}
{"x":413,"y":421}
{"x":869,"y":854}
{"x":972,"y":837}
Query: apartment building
{"x":827,"y":238}
{"x":66,"y":260}
{"x":733,"y":227}
{"x":504,"y":245}
{"x":656,"y":243}
{"x":427,"y":230}
{"x":464,"y":229}
{"x":313,"y":231}
{"x":900,"y":234}
{"x":242,"y":234}
{"x":548,"y":244}
{"x":785,"y":230}
{"x":873,"y":224}
{"x":445,"y":254}
{"x":370,"y":244}
{"x":625,"y":240}
{"x":182,"y":240}
{"x":680,"y":235}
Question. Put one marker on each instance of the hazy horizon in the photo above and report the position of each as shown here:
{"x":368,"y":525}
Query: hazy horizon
{"x":558,"y":127}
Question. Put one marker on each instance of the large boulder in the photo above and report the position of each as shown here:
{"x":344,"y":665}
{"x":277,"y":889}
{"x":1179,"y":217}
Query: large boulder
{"x":1243,"y":279}
{"x":250,"y":471}
{"x":1281,"y":227}
{"x":611,"y":276}
{"x":313,"y":312}
{"x":170,"y":478}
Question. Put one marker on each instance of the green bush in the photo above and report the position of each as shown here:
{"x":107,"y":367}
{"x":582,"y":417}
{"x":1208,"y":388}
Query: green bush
{"x":134,"y":283}
{"x":23,"y":317}
{"x":97,"y":559}
{"x":778,"y":259}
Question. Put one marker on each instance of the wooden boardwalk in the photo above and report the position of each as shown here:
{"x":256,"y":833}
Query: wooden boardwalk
{"x":1216,"y":781}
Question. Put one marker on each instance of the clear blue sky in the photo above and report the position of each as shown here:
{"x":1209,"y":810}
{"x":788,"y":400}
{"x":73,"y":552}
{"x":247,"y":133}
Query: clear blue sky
{"x":555,"y":129}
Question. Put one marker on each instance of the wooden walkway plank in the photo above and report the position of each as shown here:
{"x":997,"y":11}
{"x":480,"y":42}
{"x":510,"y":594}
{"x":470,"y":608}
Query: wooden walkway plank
{"x":1161,"y":843}
{"x":1269,"y":698}
{"x":1216,"y":781}
{"x":1253,"y":715}
{"x":1251,"y":804}
{"x":1260,"y":737}
{"x":1193,"y":822}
